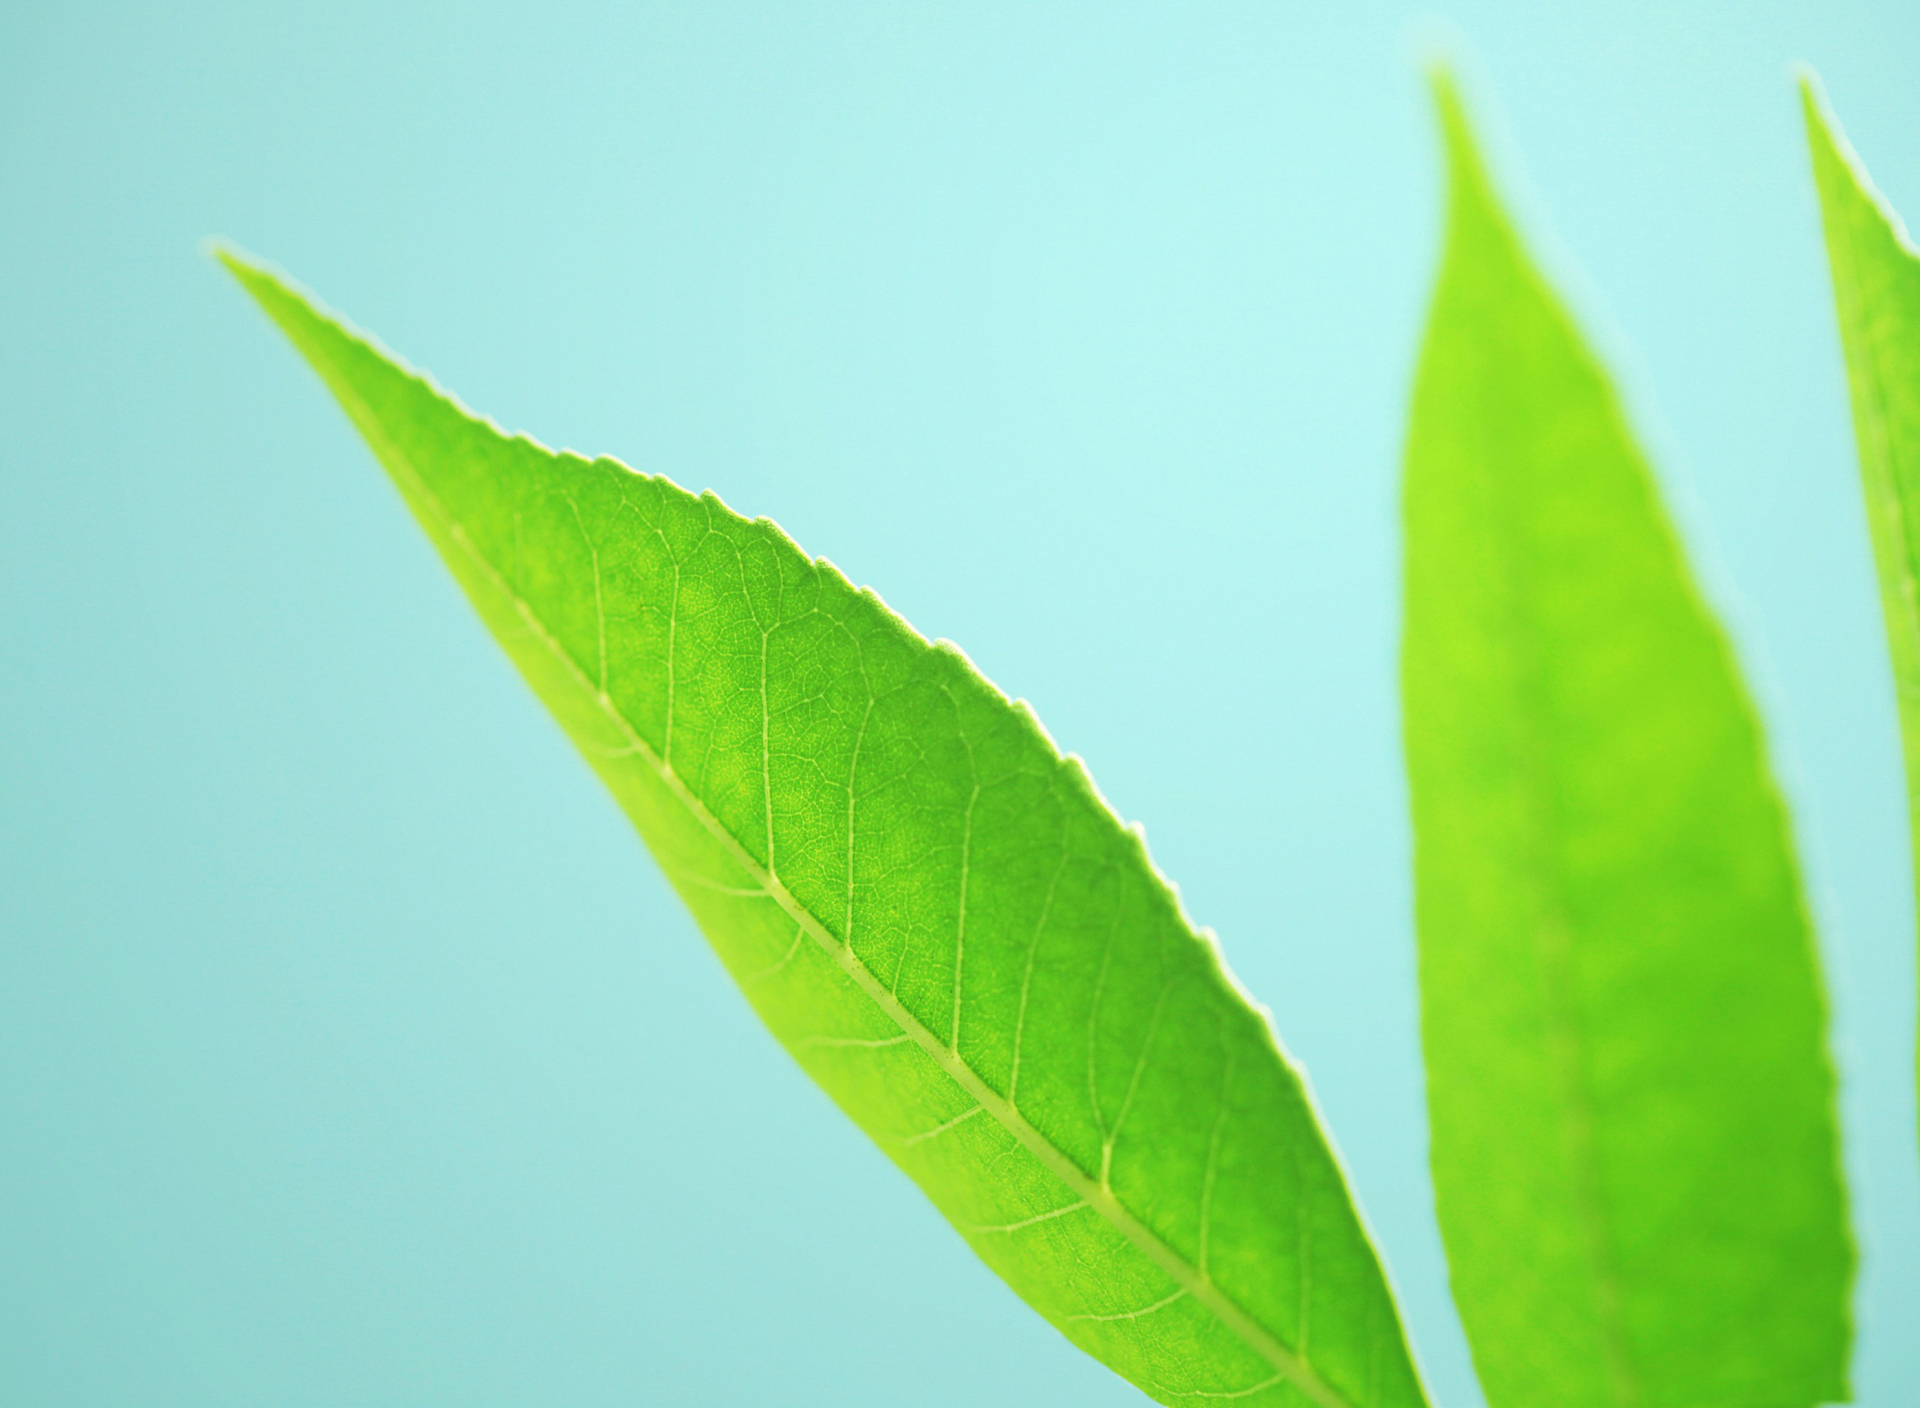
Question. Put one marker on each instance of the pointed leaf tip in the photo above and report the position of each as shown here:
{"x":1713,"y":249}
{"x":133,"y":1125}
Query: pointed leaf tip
{"x":1470,"y":191}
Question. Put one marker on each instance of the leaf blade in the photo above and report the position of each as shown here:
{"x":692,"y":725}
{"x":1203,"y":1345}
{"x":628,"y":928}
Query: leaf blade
{"x":1620,"y":1001}
{"x":1876,"y":285}
{"x":833,"y":797}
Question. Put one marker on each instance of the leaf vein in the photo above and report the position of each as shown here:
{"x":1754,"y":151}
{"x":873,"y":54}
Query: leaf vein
{"x":1289,"y":1366}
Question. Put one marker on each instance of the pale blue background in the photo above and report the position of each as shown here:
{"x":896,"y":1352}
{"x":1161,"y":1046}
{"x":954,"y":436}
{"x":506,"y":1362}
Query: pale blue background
{"x":351,"y":1051}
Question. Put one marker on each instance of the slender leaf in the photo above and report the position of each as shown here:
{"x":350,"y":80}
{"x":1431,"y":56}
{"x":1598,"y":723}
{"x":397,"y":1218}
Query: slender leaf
{"x":933,"y":910}
{"x":1633,"y":1133}
{"x":1876,"y":288}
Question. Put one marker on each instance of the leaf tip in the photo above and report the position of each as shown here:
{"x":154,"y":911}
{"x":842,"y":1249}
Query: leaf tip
{"x":1840,"y":175}
{"x":1467,"y":180}
{"x":1807,"y":79}
{"x":271,"y":287}
{"x":243,"y":266}
{"x":1443,"y":84}
{"x":1437,"y":46}
{"x":1823,"y":131}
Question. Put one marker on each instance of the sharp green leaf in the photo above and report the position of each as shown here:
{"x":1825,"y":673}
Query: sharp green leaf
{"x":1876,"y":289}
{"x":932,"y":909}
{"x":1633,"y":1134}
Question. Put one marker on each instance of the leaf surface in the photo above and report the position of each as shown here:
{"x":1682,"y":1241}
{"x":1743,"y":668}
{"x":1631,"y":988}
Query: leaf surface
{"x":932,"y":909}
{"x":1634,"y":1147}
{"x":1876,"y":290}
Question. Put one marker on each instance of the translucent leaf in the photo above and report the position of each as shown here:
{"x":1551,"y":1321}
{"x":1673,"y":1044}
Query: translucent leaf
{"x":1634,"y":1144}
{"x":1876,"y":287}
{"x":932,"y":909}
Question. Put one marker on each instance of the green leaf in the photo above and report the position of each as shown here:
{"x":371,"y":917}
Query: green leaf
{"x":1633,"y":1134}
{"x":1876,"y":288}
{"x":933,"y":910}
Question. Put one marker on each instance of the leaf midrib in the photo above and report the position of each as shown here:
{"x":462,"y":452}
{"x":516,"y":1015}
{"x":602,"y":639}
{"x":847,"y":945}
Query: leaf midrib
{"x":1553,"y":930}
{"x":1094,"y":1192}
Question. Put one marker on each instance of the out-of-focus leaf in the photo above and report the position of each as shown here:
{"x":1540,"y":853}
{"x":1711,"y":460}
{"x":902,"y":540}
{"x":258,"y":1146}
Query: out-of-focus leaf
{"x":1634,"y":1142}
{"x":1876,"y":289}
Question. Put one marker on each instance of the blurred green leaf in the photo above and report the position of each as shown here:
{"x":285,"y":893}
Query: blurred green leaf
{"x":1876,"y":289}
{"x":1633,"y":1133}
{"x":933,"y":910}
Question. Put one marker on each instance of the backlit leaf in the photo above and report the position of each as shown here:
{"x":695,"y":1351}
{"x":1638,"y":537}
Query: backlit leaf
{"x":1876,"y":288}
{"x":933,"y":910}
{"x":1634,"y":1147}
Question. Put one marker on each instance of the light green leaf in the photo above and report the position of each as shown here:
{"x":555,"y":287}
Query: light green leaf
{"x":1633,"y":1134}
{"x":934,"y":911}
{"x":1876,"y":288}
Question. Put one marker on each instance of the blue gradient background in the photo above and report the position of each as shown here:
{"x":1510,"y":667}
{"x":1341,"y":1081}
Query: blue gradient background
{"x":351,"y":1051}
